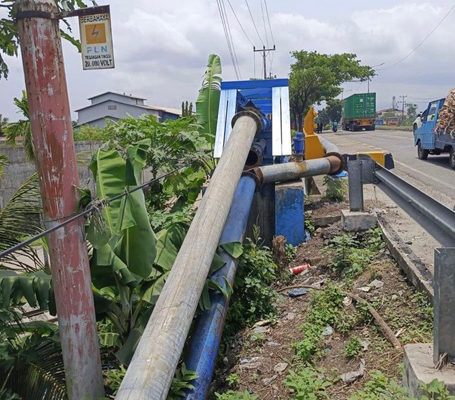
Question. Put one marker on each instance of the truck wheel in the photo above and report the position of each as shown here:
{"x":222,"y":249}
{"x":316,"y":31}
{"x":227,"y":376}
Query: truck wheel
{"x":452,"y":158}
{"x":373,"y":128}
{"x":422,"y":153}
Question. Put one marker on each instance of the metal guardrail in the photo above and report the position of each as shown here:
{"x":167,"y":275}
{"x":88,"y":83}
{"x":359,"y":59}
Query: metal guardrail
{"x":438,"y":220}
{"x":435,"y":217}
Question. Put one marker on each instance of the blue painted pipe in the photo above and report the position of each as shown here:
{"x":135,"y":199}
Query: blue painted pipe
{"x":208,"y":329}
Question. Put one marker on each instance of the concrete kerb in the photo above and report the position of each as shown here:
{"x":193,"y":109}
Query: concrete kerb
{"x":408,"y":261}
{"x":419,"y":367}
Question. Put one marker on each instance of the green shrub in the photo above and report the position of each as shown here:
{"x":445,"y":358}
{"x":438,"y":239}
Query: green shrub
{"x":253,"y":298}
{"x":308,"y":384}
{"x":336,"y":189}
{"x":353,"y":347}
{"x":231,"y":395}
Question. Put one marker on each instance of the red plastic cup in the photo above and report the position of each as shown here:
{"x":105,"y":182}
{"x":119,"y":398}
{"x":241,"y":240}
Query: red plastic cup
{"x":299,"y":270}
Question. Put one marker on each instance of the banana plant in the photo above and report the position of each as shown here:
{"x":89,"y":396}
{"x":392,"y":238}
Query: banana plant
{"x":209,"y":99}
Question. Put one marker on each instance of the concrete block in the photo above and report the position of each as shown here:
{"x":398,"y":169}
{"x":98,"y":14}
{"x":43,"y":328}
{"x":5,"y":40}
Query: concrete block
{"x":419,"y":366}
{"x":357,"y":221}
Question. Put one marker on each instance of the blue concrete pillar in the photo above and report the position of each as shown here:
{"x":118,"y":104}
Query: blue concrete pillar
{"x":289,"y":212}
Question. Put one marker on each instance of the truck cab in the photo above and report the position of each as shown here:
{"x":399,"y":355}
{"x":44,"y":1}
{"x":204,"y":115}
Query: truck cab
{"x":431,"y":141}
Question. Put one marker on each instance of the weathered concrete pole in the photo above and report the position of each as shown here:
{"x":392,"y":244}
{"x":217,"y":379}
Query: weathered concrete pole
{"x":151,"y":371}
{"x":57,"y":170}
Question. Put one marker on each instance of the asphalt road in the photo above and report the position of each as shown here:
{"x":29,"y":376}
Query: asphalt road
{"x":432,"y":176}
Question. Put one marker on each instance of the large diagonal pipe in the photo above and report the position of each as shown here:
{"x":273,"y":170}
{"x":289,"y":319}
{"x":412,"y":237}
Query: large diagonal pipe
{"x":152,"y":368}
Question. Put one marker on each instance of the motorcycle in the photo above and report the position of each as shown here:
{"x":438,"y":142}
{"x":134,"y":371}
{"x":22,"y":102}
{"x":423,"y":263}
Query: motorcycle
{"x":334,"y":128}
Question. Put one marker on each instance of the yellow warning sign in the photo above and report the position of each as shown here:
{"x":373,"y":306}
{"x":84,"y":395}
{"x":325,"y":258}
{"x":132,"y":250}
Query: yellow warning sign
{"x":95,"y":33}
{"x":96,"y":41}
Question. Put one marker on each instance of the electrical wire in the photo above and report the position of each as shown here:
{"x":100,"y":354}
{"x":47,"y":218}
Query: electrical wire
{"x":223,"y":16}
{"x":265,"y":26}
{"x":270,"y":25}
{"x":232,"y":40}
{"x":254,"y":23}
{"x":241,"y":26}
{"x":422,"y":42}
{"x":90,"y":208}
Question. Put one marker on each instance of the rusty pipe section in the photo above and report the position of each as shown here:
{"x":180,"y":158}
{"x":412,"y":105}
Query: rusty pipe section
{"x":331,"y":164}
{"x":293,"y":170}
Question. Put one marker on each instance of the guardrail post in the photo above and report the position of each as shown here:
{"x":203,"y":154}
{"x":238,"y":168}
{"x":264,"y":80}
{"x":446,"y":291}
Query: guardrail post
{"x":444,"y":303}
{"x":355,"y":185}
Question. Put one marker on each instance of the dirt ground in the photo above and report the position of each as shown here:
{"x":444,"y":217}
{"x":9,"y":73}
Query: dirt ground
{"x":262,"y":356}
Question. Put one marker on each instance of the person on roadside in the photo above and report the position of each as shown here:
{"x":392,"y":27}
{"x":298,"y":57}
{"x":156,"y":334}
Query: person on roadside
{"x":320,"y":127}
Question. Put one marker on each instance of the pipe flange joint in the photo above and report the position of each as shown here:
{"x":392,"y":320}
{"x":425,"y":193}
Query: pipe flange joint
{"x":340,"y":157}
{"x":252,"y":113}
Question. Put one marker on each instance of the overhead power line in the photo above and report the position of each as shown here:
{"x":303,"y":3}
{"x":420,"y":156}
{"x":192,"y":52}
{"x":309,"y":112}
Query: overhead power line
{"x":241,"y":26}
{"x":230,"y":44}
{"x":268,"y":18}
{"x":254,"y":23}
{"x":263,"y":22}
{"x":422,"y":42}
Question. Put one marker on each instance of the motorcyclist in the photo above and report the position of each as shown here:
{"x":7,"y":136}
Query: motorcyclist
{"x":335,"y":126}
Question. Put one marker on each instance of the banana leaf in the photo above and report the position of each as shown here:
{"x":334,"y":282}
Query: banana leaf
{"x":129,"y":253}
{"x":209,"y":98}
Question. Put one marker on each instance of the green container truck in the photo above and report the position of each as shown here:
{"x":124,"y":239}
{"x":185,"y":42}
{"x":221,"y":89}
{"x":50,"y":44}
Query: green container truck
{"x":359,"y":112}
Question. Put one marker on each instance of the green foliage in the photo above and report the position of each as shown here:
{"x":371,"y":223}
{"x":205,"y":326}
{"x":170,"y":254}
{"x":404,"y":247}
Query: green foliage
{"x":309,"y":223}
{"x":308,"y":384}
{"x":290,"y":252}
{"x":232,"y":380}
{"x":174,"y":144}
{"x":353,"y":347}
{"x":379,"y":387}
{"x":317,"y":77}
{"x":92,"y":133}
{"x":187,"y":109}
{"x":333,"y":109}
{"x":19,"y":218}
{"x":325,"y":306}
{"x":21,"y":128}
{"x":3,"y":162}
{"x":336,"y":188}
{"x":435,"y":390}
{"x":113,"y":379}
{"x":9,"y":34}
{"x":182,"y":381}
{"x":3,"y":123}
{"x":32,"y":350}
{"x":253,"y":299}
{"x":349,"y":256}
{"x":231,"y":395}
{"x":208,"y":100}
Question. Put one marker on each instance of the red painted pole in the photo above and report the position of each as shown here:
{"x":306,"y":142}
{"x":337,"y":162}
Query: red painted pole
{"x":58,"y":176}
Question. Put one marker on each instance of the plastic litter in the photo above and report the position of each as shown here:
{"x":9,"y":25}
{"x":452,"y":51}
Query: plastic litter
{"x":297,"y":292}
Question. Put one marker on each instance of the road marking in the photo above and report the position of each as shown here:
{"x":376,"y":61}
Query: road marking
{"x":424,"y":174}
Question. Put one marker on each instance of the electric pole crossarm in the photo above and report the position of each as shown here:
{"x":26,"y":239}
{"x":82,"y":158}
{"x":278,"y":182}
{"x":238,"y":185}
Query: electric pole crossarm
{"x":264,"y":57}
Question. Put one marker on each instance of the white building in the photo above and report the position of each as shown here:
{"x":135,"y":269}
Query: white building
{"x":115,"y":106}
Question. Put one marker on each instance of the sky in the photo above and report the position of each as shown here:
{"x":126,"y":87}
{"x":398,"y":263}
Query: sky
{"x":161,"y":47}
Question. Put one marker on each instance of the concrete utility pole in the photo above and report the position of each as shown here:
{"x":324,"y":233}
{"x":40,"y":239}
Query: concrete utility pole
{"x":58,"y":177}
{"x":403,"y":103}
{"x":264,"y":57}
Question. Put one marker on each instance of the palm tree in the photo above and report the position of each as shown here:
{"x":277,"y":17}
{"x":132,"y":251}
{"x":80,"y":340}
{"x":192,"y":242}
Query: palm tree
{"x":21,"y":128}
{"x":3,"y":123}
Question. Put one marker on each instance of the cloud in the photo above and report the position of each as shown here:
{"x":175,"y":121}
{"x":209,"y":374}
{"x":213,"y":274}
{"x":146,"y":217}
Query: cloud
{"x":161,"y":48}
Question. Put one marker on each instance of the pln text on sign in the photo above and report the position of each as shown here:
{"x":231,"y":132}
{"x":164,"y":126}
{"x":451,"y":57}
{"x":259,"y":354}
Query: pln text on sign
{"x":96,"y":41}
